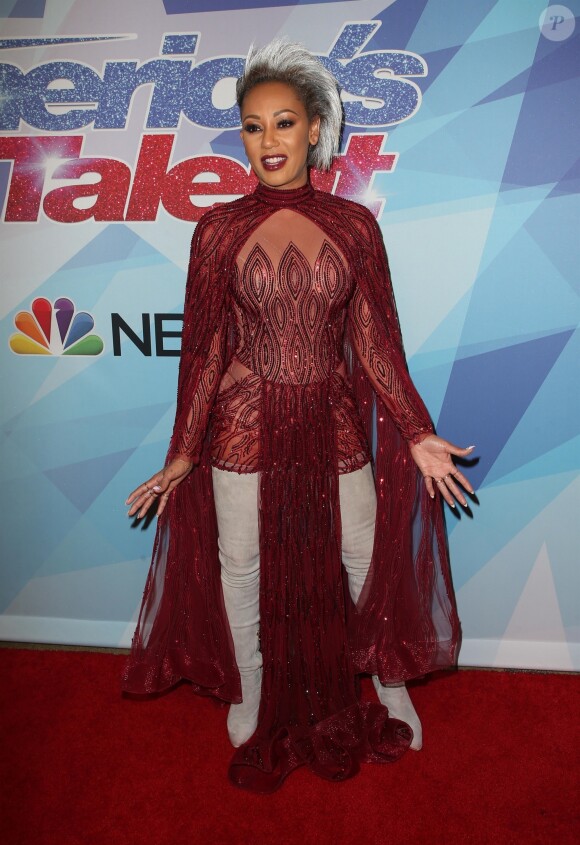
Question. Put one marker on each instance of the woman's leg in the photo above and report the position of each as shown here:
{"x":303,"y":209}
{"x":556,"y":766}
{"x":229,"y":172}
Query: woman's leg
{"x":358,"y":505}
{"x":236,"y":501}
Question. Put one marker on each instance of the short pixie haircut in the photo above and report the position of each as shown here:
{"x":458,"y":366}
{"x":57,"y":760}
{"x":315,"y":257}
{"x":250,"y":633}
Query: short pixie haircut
{"x":316,"y":87}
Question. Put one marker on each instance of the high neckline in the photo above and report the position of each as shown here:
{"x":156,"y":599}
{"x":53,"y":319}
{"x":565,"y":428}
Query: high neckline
{"x":284,"y":197}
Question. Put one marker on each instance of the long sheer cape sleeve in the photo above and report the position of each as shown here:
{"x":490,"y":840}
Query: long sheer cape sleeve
{"x":405,"y":623}
{"x":182,"y":630}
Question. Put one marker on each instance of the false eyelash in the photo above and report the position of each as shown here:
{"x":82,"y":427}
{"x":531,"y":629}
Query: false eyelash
{"x":253,"y":127}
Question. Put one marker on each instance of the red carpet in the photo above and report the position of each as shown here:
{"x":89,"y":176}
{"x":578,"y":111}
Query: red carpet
{"x":83,"y":766}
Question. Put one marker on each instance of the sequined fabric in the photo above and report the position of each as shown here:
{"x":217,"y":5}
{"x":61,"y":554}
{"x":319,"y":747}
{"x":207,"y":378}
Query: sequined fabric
{"x":309,"y":710}
{"x":291,"y":350}
{"x":289,"y":298}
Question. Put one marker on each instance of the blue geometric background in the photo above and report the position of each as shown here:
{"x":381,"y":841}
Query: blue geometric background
{"x":481,"y":226}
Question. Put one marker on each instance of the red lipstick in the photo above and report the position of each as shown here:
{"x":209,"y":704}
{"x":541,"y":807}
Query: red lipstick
{"x":273,"y":162}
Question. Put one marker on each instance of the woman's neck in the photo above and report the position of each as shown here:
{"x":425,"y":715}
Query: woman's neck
{"x":284,"y":196}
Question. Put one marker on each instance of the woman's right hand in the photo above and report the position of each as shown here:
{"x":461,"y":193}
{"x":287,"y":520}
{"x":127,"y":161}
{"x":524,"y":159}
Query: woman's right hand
{"x":158,"y":487}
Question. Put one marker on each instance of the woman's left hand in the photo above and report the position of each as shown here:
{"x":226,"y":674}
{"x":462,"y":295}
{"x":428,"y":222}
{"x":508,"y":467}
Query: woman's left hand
{"x":433,"y":457}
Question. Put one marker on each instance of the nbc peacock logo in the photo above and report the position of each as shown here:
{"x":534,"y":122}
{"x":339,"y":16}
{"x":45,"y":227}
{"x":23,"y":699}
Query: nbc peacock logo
{"x":55,"y":329}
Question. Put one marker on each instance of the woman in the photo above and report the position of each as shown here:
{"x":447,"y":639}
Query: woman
{"x":283,"y":566}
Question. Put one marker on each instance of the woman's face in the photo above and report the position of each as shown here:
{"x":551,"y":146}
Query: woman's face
{"x":276,"y":133}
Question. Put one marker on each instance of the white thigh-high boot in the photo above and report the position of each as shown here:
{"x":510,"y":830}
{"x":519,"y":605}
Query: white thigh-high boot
{"x":236,"y":500}
{"x":358,"y":507}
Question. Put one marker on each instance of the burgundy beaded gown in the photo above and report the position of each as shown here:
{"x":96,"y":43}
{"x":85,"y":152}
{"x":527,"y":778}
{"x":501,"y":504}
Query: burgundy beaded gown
{"x":291,"y":358}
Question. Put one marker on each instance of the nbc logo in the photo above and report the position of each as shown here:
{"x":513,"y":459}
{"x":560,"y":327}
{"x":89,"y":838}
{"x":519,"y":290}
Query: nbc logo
{"x":55,"y":329}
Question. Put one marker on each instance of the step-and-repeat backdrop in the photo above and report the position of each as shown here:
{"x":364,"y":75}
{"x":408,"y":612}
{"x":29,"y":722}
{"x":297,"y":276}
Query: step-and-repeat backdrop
{"x":118,"y":128}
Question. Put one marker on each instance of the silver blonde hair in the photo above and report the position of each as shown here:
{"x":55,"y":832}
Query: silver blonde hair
{"x":316,"y":87}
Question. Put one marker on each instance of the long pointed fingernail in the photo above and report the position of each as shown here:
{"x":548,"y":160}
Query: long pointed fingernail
{"x":469,"y":448}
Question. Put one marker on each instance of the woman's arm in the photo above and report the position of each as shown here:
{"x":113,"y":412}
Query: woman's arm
{"x":190,"y":425}
{"x":375,"y":335}
{"x":203,"y":344}
{"x":202,"y":361}
{"x":386,"y":369}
